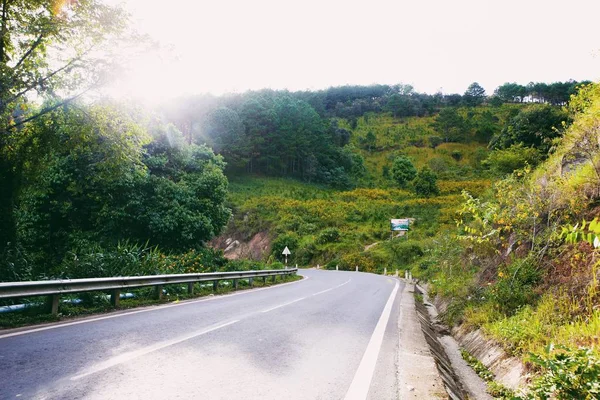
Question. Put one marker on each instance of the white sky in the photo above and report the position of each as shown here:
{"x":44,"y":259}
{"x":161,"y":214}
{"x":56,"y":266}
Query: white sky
{"x":222,"y":46}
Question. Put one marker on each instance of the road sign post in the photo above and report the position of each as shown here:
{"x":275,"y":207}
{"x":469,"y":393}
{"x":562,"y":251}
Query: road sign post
{"x":286,"y":252}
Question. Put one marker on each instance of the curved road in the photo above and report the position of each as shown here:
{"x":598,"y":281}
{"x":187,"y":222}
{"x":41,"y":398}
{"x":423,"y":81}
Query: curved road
{"x":320,"y":338}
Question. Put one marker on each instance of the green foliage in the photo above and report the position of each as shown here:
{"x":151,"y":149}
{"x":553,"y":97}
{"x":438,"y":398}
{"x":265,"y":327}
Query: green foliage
{"x":426,"y":183}
{"x":403,"y":171}
{"x":328,"y":235}
{"x":515,"y":286}
{"x":15,"y":264}
{"x":566,"y":374}
{"x":291,"y":240}
{"x":534,"y":127}
{"x":474,"y":95}
{"x":451,"y":125}
{"x":406,"y":252}
{"x":589,"y":232}
{"x":502,"y":162}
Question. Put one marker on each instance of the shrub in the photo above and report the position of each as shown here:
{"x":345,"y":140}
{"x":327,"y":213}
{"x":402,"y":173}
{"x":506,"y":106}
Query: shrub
{"x":287,"y":239}
{"x":406,"y":252}
{"x":568,"y":374}
{"x":15,"y":264}
{"x":426,"y":183}
{"x":435,"y":141}
{"x":328,"y":235}
{"x":403,"y":170}
{"x":515,"y":286}
{"x":502,"y":162}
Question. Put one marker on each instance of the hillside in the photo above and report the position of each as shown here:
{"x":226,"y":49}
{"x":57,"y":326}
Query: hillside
{"x":505,"y":270}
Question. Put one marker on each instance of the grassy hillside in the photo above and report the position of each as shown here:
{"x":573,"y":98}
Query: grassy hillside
{"x":506,"y":269}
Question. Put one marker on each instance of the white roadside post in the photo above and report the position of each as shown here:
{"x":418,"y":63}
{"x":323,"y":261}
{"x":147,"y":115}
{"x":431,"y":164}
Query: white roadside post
{"x":337,"y":267}
{"x":286,"y":252}
{"x":384,"y":270}
{"x":357,"y":268}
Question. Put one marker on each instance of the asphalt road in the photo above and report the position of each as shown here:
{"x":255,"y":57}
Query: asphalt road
{"x":325,"y":337}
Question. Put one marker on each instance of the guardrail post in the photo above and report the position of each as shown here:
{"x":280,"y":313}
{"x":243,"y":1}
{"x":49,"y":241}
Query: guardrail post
{"x":264,"y":280}
{"x":235,"y":284}
{"x":190,"y":288}
{"x":274,"y":278}
{"x":158,"y":292}
{"x":215,"y":285}
{"x":250,"y":282}
{"x":115,"y":296}
{"x":53,"y":303}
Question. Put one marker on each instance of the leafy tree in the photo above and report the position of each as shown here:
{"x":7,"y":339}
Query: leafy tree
{"x":533,"y":127}
{"x":505,"y":161}
{"x":403,"y":170}
{"x":75,"y":33}
{"x":474,"y":95}
{"x":370,"y":140}
{"x":426,"y":183}
{"x":450,"y":124}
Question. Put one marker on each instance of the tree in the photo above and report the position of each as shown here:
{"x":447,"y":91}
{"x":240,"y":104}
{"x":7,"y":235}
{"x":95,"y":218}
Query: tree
{"x":505,"y":161}
{"x":474,"y":95}
{"x":425,"y":183}
{"x":403,"y":170}
{"x":535,"y":127}
{"x":74,"y":33}
{"x":450,"y":124}
{"x":370,"y":140}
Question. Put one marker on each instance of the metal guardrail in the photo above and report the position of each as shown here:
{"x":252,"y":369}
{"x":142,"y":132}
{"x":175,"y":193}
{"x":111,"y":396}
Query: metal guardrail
{"x":55,"y":288}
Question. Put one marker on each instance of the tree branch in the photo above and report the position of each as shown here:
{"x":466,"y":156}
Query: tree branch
{"x":35,"y":44}
{"x":44,"y":79}
{"x":47,"y":110}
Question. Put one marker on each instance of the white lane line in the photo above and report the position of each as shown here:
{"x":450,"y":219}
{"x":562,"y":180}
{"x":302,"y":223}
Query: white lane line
{"x":359,"y":388}
{"x":335,"y":287}
{"x":302,"y":298}
{"x":283,"y":305}
{"x":151,"y":308}
{"x":143,"y":351}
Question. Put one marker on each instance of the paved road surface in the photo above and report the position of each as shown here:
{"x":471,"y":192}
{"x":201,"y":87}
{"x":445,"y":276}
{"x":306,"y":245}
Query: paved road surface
{"x":302,"y":340}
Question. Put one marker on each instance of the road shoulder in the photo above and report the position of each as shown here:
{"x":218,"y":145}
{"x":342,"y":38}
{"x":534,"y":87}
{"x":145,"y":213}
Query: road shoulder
{"x":418,"y":377}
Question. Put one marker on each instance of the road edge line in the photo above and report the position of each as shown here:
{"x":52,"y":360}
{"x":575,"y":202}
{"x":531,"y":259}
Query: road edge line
{"x":361,"y":383}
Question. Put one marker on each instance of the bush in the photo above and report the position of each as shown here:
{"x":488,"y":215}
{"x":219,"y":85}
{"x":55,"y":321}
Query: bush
{"x":502,"y":162}
{"x":15,"y":264}
{"x":328,"y":235}
{"x":405,"y":253}
{"x":426,"y":183}
{"x":435,"y":141}
{"x":403,"y":170}
{"x":290,"y":240}
{"x":515,"y":286}
{"x":568,"y":374}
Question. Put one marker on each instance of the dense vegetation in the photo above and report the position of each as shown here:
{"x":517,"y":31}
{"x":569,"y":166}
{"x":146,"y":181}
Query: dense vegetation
{"x":103,"y":189}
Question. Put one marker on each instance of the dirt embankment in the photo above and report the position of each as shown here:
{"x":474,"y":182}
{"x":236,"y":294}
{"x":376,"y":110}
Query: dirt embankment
{"x":234,"y":247}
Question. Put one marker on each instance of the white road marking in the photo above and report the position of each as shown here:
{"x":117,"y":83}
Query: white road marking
{"x":152,"y":308}
{"x":359,"y":388}
{"x":302,"y":298}
{"x":335,"y":287}
{"x":143,"y":351}
{"x":283,"y":305}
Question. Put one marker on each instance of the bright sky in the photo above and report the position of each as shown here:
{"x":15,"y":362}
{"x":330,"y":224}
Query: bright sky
{"x":222,"y":46}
